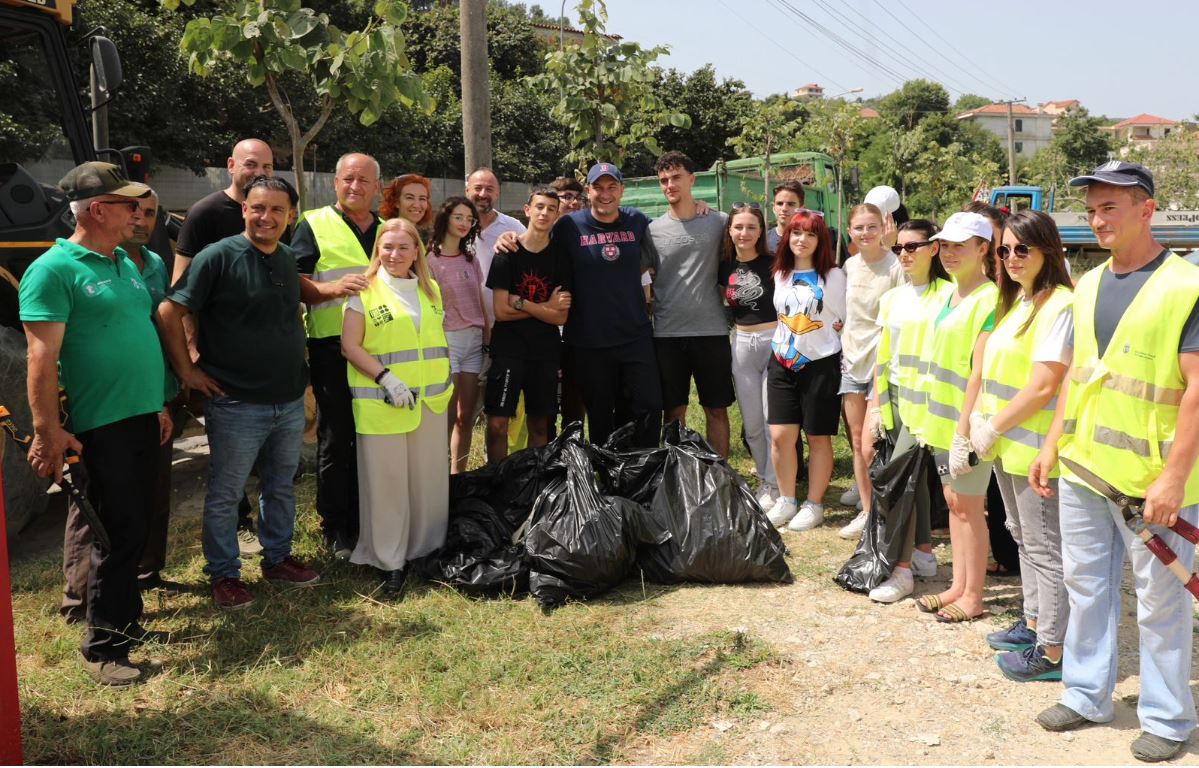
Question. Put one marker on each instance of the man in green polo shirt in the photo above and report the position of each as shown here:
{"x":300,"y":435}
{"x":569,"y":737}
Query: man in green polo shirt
{"x":87,"y":317}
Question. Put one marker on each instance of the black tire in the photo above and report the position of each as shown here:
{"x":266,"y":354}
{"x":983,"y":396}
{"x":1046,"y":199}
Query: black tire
{"x":24,"y":492}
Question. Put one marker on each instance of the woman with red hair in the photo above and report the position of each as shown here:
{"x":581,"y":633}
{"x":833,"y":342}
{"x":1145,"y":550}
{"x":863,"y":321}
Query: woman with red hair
{"x":804,"y":372}
{"x":409,"y":197}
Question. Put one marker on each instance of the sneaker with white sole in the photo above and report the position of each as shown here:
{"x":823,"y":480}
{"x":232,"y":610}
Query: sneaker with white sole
{"x":248,"y":543}
{"x":782,"y":512}
{"x":809,"y":516}
{"x":851,"y":498}
{"x":853,"y":530}
{"x":924,"y":565}
{"x":767,"y":495}
{"x":898,"y":586}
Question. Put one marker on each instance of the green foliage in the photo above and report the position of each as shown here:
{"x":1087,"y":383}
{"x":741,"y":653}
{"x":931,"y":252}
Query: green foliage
{"x":286,"y":48}
{"x":605,"y":92}
{"x":27,"y":115}
{"x":1079,"y":144}
{"x":969,"y":101}
{"x":913,"y":102}
{"x":1175,"y":166}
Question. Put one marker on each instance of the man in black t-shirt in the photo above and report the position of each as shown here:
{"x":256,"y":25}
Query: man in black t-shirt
{"x":531,"y":294}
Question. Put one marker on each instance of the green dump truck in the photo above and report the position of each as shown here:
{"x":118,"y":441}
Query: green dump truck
{"x":750,"y":180}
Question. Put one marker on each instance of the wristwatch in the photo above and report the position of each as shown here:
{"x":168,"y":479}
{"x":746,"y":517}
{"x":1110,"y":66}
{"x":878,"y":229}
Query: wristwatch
{"x":520,"y":303}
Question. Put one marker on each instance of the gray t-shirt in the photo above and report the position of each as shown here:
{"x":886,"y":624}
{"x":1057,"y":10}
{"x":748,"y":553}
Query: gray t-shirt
{"x":1116,"y":293}
{"x":685,"y":257}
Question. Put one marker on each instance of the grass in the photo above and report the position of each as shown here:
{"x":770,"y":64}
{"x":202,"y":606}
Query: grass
{"x":329,"y":674}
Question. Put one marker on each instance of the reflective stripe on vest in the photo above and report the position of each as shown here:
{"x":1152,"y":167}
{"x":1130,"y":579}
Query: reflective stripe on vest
{"x":950,"y":356}
{"x":340,"y":255}
{"x":1122,"y":408}
{"x":419,"y":358}
{"x":898,"y":392}
{"x":1007,"y":368}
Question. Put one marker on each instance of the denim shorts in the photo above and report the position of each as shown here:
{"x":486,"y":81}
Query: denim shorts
{"x":851,"y":387}
{"x":466,"y":350}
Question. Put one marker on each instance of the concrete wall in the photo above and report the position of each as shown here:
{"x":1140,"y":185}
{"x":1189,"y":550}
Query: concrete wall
{"x":178,"y":188}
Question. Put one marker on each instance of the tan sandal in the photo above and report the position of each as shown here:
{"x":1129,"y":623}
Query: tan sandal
{"x":929,"y":603}
{"x":952,"y":614}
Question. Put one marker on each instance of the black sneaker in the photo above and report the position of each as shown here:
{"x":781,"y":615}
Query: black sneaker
{"x":1029,"y":665}
{"x":1015,"y":638}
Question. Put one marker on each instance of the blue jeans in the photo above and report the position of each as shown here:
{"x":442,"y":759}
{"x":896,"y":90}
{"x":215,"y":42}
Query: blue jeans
{"x":1094,"y":540}
{"x":240,"y":433}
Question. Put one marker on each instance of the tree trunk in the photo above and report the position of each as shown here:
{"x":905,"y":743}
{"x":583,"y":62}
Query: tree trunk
{"x":476,"y":90}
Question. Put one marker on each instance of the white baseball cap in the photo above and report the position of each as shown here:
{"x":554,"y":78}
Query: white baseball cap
{"x":964,"y":225}
{"x":885,"y":198}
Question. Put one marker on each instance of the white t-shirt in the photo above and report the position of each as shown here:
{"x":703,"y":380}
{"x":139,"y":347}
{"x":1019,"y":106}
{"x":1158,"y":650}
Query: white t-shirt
{"x":1057,"y":345}
{"x":865,"y":285}
{"x":404,"y":288}
{"x":485,"y":252}
{"x":808,"y":308}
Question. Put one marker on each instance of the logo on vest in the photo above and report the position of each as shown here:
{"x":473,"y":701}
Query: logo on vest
{"x":610,"y":252}
{"x":380,"y":315}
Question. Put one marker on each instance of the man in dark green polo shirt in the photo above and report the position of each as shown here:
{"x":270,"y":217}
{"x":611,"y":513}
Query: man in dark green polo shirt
{"x":87,"y":317}
{"x":245,"y":293}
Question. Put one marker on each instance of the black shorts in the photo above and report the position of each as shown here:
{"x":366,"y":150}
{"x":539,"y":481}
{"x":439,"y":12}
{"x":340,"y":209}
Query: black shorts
{"x":509,"y":376}
{"x":707,"y":358}
{"x":807,"y":397}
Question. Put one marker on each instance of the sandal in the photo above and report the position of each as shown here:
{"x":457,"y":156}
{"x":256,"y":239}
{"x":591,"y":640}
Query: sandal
{"x":952,"y":614}
{"x":929,"y":603}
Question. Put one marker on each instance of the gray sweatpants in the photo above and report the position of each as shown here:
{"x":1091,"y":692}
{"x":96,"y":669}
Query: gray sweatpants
{"x":751,"y":353}
{"x":1036,"y":526}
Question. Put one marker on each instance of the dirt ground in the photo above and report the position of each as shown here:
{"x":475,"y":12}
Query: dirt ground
{"x":852,"y":682}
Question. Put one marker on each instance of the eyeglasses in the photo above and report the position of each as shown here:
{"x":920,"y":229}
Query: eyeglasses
{"x":740,"y":205}
{"x":910,"y":247}
{"x":133,"y":206}
{"x":1019,"y":251}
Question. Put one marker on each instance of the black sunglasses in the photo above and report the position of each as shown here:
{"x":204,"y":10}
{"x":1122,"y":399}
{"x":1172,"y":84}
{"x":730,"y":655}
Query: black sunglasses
{"x":909,"y":247}
{"x":1019,"y":251}
{"x":131,"y":204}
{"x":739,"y":205}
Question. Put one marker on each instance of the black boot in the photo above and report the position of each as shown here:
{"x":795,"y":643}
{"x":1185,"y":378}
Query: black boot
{"x":395,"y":583}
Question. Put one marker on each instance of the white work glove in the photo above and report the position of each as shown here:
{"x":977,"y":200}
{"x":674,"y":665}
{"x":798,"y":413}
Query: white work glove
{"x":959,"y":456}
{"x":398,"y":393}
{"x":874,"y":425}
{"x":982,"y":435}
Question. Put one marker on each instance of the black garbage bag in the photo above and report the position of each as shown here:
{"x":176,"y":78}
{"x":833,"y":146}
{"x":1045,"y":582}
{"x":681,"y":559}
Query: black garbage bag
{"x":718,"y":533}
{"x":479,"y":554}
{"x":899,"y":485}
{"x":622,"y":470}
{"x":580,"y":543}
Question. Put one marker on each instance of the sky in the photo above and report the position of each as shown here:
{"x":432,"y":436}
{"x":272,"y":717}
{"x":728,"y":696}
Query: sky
{"x":1116,"y":61}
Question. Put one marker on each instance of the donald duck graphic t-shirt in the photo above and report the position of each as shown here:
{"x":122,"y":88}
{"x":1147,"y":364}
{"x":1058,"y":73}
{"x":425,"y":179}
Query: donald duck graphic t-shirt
{"x":808,"y":307}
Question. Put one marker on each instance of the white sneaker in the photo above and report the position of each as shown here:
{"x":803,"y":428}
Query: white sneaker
{"x":767,"y":495}
{"x":851,"y":498}
{"x":810,"y":516}
{"x":895,"y":588}
{"x":781,"y":512}
{"x":853,"y":530}
{"x":924,"y":565}
{"x":247,"y":542}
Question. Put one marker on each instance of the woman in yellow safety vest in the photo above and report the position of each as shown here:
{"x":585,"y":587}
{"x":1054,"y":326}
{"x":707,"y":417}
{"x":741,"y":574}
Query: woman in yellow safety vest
{"x":951,"y":385}
{"x":399,"y":371}
{"x":1024,"y":363}
{"x":905,"y":317}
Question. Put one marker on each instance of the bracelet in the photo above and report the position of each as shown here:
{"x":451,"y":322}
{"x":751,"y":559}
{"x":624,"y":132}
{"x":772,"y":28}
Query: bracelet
{"x":379,"y":378}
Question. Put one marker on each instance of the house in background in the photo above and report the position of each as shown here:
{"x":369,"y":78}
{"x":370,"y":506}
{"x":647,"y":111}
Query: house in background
{"x":1142,"y":128}
{"x":1032,"y":130}
{"x":549,"y":34}
{"x":808,"y":92}
{"x":1059,"y":108}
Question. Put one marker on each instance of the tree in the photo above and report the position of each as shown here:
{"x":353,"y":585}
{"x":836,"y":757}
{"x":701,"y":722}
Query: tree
{"x":969,"y":101}
{"x":947,"y":175}
{"x":913,"y":102}
{"x":716,"y":109}
{"x":605,"y":92}
{"x":287,"y":48}
{"x":1079,"y":144}
{"x":1174,"y":161}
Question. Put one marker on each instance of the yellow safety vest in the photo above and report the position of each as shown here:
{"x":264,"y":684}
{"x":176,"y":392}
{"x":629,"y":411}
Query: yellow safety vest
{"x":340,"y":255}
{"x":420,"y":359}
{"x":950,"y":354}
{"x":1007,"y":366}
{"x":1122,"y":408}
{"x":910,"y":354}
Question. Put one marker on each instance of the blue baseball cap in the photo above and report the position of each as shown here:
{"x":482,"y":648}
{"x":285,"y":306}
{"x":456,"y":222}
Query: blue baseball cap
{"x":1118,"y":173}
{"x":604,"y":169}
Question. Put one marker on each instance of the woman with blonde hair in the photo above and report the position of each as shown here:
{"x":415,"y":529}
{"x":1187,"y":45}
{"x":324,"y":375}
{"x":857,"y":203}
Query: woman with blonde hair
{"x":399,"y":371}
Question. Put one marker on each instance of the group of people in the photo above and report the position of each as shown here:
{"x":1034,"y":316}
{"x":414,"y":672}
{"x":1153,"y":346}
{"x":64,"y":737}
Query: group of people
{"x":968,"y":339}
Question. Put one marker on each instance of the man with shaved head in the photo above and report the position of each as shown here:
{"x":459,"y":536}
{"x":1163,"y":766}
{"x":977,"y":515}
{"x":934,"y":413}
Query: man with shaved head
{"x":214,"y":218}
{"x":333,"y":247}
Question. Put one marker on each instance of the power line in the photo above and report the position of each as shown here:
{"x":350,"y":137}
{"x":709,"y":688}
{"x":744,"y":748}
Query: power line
{"x":784,"y":48}
{"x":952,"y":47}
{"x":841,"y":42}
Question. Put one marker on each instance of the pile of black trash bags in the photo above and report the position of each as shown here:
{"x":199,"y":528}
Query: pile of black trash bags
{"x":572,"y":520}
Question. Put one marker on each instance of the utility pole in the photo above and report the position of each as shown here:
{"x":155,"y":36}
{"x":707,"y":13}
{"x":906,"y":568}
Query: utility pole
{"x":476,"y":91}
{"x":1011,"y":140}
